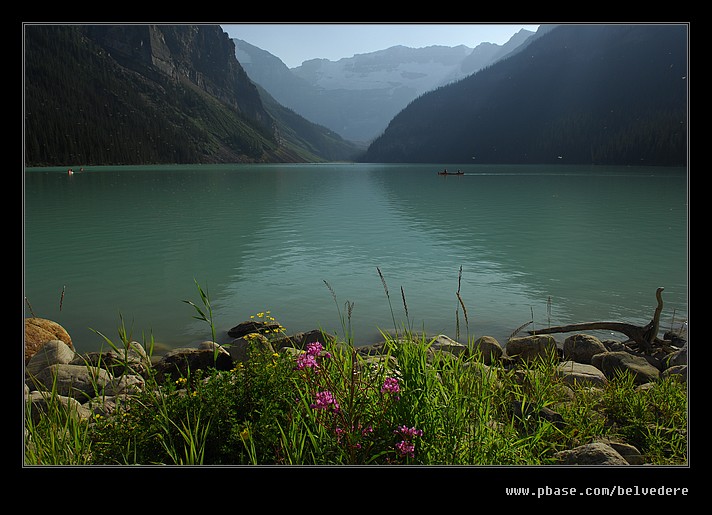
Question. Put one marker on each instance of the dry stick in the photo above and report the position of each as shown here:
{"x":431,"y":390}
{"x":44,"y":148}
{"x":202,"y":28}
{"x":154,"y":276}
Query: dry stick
{"x":61,"y":298}
{"x":645,"y":336}
{"x":464,"y":309}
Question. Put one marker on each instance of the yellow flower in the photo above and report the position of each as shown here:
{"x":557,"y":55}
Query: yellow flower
{"x":245,"y":434}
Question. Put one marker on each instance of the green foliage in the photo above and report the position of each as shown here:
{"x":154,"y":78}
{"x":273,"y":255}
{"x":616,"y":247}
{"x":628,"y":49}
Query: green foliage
{"x":329,"y":405}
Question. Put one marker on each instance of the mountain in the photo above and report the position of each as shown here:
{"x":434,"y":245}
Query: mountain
{"x":138,"y":94}
{"x":600,"y":94}
{"x":357,"y":96}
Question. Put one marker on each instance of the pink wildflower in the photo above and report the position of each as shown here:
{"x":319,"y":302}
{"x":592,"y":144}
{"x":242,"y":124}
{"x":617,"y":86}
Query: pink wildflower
{"x":390,"y":385}
{"x":306,"y":361}
{"x":313,"y":349}
{"x":406,"y":447}
{"x":325,"y":400}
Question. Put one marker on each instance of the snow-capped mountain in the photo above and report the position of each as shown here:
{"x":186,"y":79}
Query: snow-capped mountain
{"x":357,"y":96}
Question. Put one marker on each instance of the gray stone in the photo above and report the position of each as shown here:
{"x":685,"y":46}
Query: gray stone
{"x":573,"y":373}
{"x":582,"y":347}
{"x":488,"y":348}
{"x":529,"y":348}
{"x":591,"y":454}
{"x":614,"y":363}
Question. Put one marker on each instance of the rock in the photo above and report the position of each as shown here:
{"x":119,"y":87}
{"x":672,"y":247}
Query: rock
{"x":488,"y":347}
{"x":524,"y":411}
{"x":252,"y":326}
{"x":183,"y":361}
{"x":581,"y":374}
{"x":239,"y":349}
{"x":582,"y":347}
{"x":132,"y":360}
{"x":442,"y":343}
{"x":528,"y":348}
{"x":614,"y":363}
{"x":677,"y":371}
{"x":77,"y":381}
{"x":300,"y":340}
{"x":678,"y":357}
{"x":51,"y":353}
{"x":629,"y":452}
{"x":40,"y":403}
{"x":591,"y":454}
{"x":39,"y":331}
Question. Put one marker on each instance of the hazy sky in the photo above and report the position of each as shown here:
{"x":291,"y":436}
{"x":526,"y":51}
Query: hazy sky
{"x":296,"y":43}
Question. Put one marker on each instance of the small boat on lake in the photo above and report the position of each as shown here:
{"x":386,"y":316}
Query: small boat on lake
{"x":445,"y":172}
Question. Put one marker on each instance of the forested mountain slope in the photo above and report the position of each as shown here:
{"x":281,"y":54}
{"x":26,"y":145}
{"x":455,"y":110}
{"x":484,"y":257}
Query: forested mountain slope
{"x":602,"y":94}
{"x":140,"y":94}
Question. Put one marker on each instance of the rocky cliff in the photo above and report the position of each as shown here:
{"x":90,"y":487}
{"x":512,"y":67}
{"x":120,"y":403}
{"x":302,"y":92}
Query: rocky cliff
{"x":152,"y":94}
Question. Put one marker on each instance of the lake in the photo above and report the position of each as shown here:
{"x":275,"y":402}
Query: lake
{"x":553,"y":244}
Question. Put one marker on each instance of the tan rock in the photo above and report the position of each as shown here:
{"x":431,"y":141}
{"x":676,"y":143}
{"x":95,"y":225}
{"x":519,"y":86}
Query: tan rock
{"x":39,"y":331}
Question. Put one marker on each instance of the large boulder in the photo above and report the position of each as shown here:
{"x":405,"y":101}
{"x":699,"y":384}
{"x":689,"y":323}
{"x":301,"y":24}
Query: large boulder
{"x":614,"y":363}
{"x":39,"y":331}
{"x":253,"y":326}
{"x":596,"y":453}
{"x":130,"y":359}
{"x":488,"y":347}
{"x":442,"y":343}
{"x":182,"y":362}
{"x":77,"y":381}
{"x":573,"y":373}
{"x":530,"y":348}
{"x":582,"y":347}
{"x":51,"y":353}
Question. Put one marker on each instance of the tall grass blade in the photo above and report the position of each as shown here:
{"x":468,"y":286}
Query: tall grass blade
{"x":388,"y":296}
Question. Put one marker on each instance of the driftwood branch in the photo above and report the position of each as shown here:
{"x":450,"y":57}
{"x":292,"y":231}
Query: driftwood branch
{"x":645,"y":336}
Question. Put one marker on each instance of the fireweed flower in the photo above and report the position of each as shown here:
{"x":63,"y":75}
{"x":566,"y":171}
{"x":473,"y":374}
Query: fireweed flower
{"x":406,"y":447}
{"x":315,"y":348}
{"x":325,"y":400}
{"x":306,"y":361}
{"x":390,"y":385}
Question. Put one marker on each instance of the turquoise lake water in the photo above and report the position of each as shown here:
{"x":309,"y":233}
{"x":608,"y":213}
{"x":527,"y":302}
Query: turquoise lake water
{"x":559,"y":244}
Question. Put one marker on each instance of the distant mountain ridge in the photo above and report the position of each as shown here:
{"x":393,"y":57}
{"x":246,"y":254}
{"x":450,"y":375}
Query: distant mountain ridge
{"x":141,"y":94}
{"x":357,"y":96}
{"x":597,"y":94}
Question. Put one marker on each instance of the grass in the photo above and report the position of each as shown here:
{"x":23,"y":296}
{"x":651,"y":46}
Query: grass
{"x":332,"y":406}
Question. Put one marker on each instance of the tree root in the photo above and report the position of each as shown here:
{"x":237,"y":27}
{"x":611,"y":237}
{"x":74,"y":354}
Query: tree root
{"x":645,"y":336}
